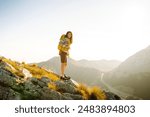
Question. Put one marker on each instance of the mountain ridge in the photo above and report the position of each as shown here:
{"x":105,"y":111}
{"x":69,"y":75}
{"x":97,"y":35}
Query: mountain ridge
{"x":87,"y":63}
{"x":133,"y":75}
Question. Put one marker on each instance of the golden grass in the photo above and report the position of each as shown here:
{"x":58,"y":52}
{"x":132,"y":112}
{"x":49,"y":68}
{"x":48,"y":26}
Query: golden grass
{"x":52,"y":86}
{"x":91,"y":92}
{"x":17,"y":69}
{"x":35,"y":70}
{"x":97,"y":92}
{"x":12,"y":63}
{"x":39,"y":72}
{"x":84,"y":91}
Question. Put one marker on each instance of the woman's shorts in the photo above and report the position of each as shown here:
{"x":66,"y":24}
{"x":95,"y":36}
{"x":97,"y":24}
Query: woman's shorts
{"x":63,"y":56}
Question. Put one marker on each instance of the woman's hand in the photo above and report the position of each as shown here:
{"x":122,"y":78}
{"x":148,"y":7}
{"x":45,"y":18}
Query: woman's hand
{"x":67,"y":52}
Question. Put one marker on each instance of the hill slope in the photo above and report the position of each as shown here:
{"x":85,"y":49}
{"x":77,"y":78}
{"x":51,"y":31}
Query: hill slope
{"x":29,"y":81}
{"x":133,"y":75}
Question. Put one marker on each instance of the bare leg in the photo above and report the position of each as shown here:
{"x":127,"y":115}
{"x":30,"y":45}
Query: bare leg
{"x":63,"y":68}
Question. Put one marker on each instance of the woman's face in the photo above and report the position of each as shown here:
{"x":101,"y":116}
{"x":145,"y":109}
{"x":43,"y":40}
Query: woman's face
{"x":69,"y":35}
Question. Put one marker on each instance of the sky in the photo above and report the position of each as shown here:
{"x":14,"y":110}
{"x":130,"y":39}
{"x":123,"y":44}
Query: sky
{"x":102,"y":29}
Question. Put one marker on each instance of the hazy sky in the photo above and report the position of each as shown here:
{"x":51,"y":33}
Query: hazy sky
{"x":102,"y":29}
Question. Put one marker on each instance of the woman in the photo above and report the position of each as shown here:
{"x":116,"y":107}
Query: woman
{"x":63,"y":47}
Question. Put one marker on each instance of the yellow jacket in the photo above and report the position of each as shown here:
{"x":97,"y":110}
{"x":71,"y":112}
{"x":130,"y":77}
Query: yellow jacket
{"x":64,"y":44}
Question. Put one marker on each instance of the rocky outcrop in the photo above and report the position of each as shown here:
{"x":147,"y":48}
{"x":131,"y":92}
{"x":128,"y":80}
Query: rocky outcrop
{"x":34,"y":88}
{"x":14,"y":87}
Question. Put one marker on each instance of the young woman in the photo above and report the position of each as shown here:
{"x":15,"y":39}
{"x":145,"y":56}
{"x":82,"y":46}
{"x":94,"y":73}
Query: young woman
{"x":63,"y":47}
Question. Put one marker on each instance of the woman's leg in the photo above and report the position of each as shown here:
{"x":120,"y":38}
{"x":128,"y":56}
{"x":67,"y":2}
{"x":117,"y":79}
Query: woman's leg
{"x":63,"y":57}
{"x":63,"y":68}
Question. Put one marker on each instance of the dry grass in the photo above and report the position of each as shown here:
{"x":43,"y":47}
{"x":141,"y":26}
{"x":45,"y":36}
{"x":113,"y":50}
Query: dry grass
{"x":52,"y":86}
{"x":97,"y":93}
{"x":17,"y":69}
{"x":14,"y":64}
{"x":84,"y":91}
{"x":39,"y":72}
{"x":36,"y":71}
{"x":93,"y":93}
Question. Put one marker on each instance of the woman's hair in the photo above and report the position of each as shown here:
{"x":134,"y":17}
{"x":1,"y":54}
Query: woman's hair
{"x":71,"y":39}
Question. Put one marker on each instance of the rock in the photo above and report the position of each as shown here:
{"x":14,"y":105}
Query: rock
{"x":7,"y":93}
{"x":48,"y":94}
{"x":75,"y":83}
{"x":112,"y":96}
{"x":65,"y":87}
{"x":71,"y":82}
{"x":33,"y":89}
{"x":45,"y":80}
{"x":6,"y":79}
{"x":26,"y":73}
{"x":73,"y":96}
{"x":3,"y":69}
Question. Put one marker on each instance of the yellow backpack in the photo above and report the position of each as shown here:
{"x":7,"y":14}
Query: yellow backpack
{"x":64,"y":44}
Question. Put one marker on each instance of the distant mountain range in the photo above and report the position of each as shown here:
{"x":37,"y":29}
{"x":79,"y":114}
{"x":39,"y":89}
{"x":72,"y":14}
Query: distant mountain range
{"x":83,"y":70}
{"x":133,"y":75}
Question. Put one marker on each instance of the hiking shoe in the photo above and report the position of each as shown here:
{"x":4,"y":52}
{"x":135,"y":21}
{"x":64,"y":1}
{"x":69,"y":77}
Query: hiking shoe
{"x":68,"y":77}
{"x":64,"y":78}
